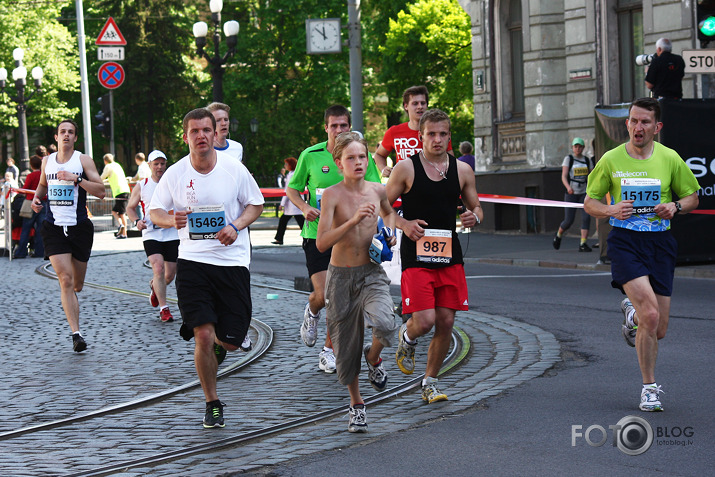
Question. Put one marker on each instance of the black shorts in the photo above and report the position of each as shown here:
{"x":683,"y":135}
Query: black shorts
{"x":169,"y":250}
{"x":74,"y":239}
{"x":637,"y":254}
{"x":214,"y":294}
{"x":315,"y":260}
{"x":120,"y":203}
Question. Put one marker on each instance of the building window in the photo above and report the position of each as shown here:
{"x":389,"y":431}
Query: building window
{"x":516,"y":57}
{"x":631,"y":44}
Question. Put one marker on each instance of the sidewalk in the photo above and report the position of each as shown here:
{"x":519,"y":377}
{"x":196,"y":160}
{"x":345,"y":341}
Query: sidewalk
{"x":526,"y":250}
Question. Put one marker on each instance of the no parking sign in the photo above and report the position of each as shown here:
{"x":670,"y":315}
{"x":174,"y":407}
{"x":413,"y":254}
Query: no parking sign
{"x":111,"y":75}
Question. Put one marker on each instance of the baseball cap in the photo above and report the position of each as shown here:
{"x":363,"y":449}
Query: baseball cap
{"x":576,"y":140}
{"x":156,"y":154}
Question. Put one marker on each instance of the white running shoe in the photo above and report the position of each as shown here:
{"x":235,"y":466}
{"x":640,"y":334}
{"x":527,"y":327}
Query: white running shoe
{"x":629,"y":332}
{"x":247,"y":345}
{"x":327,"y":361}
{"x":358,"y":420}
{"x":376,"y":374}
{"x":650,"y":400}
{"x":309,"y":327}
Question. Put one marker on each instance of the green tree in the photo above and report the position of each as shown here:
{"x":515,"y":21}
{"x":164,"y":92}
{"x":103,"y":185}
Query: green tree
{"x":48,"y":44}
{"x":273,"y":79}
{"x":428,"y":42}
{"x":160,"y":79}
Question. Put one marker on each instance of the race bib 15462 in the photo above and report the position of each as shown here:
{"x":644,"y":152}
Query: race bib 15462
{"x":205,"y":221}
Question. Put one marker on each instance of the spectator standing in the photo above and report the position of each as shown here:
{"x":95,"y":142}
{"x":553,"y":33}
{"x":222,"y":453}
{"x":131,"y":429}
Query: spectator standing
{"x":12,"y":168}
{"x":34,"y":222}
{"x":666,"y":71}
{"x":465,"y":148}
{"x":143,"y":169}
{"x":114,"y":175}
{"x":290,"y":210}
{"x":574,"y":174}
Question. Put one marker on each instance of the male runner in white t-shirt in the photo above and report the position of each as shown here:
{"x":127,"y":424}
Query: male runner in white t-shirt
{"x":214,"y":199}
{"x":222,"y":142}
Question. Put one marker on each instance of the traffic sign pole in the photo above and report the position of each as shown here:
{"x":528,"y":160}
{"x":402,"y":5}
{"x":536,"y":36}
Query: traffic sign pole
{"x":84,"y":84}
{"x":112,"y":149}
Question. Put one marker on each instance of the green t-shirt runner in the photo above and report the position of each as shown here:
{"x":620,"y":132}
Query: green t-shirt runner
{"x":647,"y":182}
{"x":316,"y":169}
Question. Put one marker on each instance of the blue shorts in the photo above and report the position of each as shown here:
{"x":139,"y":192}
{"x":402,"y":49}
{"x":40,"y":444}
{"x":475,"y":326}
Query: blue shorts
{"x":637,"y":254}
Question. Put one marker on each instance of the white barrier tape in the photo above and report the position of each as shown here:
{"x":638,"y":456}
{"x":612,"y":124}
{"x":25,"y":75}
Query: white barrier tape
{"x":507,"y":199}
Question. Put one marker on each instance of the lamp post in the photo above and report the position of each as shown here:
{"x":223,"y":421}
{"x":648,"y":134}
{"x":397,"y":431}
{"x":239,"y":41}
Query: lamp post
{"x":19,"y":76}
{"x":230,"y":29}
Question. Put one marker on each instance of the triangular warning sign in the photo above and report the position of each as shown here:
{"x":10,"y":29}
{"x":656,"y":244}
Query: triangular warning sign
{"x":110,"y":34}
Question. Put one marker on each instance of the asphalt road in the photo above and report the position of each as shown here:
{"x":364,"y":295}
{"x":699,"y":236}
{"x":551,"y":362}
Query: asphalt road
{"x":528,"y":430}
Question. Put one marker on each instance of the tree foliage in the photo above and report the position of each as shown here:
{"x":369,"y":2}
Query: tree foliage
{"x":429,"y":42}
{"x":273,"y":79}
{"x":48,"y":44}
{"x":160,"y":80}
{"x":270,"y":78}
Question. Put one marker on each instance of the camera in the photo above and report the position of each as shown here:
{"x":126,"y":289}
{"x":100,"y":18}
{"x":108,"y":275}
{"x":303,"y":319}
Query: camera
{"x":643,"y":60}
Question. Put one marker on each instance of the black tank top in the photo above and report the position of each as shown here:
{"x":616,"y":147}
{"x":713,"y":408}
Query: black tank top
{"x":436,"y":203}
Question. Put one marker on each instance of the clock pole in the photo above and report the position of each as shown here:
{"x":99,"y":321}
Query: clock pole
{"x":355,"y":45}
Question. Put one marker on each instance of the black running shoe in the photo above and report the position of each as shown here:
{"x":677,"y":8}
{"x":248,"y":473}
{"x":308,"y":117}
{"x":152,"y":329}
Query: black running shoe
{"x":557,"y":241}
{"x":220,"y":353}
{"x":78,"y":343}
{"x":584,"y":248}
{"x":214,"y":415}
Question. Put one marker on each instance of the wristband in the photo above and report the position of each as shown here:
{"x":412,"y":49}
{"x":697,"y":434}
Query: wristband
{"x":234,"y":227}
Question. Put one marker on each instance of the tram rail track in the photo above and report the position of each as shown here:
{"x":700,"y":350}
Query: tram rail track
{"x":459,"y":349}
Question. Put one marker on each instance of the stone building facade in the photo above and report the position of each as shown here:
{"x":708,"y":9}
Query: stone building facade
{"x":540,"y":67}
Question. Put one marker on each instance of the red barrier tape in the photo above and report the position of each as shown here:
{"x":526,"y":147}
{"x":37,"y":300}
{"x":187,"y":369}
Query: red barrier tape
{"x":493,"y":198}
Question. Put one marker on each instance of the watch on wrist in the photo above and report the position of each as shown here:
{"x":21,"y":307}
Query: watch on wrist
{"x":78,"y":181}
{"x":678,"y":207}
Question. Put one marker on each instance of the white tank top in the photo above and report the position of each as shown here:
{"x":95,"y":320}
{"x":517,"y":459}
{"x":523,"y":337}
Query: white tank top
{"x":67,"y":202}
{"x":153,"y":232}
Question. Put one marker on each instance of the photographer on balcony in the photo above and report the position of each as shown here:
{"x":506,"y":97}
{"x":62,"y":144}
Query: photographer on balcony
{"x":666,"y":72}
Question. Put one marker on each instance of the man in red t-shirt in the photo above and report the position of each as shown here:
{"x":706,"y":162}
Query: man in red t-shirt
{"x":404,"y":138}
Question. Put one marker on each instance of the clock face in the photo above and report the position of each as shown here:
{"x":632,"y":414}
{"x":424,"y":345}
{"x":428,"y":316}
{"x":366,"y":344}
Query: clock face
{"x":323,"y":35}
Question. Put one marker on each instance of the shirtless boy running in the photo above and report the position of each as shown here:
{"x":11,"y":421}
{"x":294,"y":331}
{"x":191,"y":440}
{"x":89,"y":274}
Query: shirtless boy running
{"x":357,"y":290}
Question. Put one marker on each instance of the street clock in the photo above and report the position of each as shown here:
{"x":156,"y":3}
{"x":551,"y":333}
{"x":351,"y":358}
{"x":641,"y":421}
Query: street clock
{"x":323,"y":35}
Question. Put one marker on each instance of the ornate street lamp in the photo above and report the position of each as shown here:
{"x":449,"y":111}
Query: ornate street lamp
{"x":230,"y":29}
{"x":19,"y":76}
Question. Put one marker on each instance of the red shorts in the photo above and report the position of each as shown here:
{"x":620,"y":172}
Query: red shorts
{"x":426,"y":289}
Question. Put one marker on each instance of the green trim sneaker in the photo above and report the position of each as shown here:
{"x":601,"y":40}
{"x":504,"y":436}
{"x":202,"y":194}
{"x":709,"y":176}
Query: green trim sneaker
{"x":431,"y":393}
{"x":405,"y":354}
{"x":649,"y":398}
{"x":214,"y":415}
{"x":629,"y":332}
